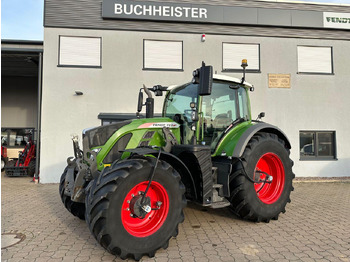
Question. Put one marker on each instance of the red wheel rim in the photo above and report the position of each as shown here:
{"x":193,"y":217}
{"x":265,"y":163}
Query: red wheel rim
{"x":271,"y":164}
{"x":154,"y":219}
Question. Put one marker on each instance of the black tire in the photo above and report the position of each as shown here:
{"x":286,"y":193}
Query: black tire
{"x":3,"y":163}
{"x":77,"y":209}
{"x":246,"y":200}
{"x":106,"y":196}
{"x":31,"y":168}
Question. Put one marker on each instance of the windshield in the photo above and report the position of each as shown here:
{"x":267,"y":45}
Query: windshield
{"x":177,"y":107}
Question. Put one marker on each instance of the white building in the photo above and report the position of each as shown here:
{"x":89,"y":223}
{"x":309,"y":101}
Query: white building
{"x":298,"y":56}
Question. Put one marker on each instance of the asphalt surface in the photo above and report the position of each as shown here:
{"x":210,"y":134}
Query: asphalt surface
{"x":316,"y":227}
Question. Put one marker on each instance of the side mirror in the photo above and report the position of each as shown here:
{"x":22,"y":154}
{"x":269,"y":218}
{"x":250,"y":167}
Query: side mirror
{"x":140,"y":102}
{"x":261,"y":115}
{"x":204,"y":76}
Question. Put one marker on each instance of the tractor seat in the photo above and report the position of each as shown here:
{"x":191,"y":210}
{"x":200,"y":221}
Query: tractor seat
{"x":222,"y":121}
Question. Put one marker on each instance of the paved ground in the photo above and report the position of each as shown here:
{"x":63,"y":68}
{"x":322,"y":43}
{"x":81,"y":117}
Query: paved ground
{"x":316,"y":227}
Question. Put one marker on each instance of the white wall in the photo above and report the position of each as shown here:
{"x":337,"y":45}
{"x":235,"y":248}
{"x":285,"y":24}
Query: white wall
{"x":314,"y":102}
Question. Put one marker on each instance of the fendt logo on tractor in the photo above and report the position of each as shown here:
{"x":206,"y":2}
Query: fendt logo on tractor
{"x":133,"y":178}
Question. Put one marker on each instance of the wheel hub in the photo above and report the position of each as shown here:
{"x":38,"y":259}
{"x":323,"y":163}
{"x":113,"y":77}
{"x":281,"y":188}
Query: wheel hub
{"x":138,"y":209}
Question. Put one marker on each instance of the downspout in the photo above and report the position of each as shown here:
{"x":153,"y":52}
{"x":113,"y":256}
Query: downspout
{"x":38,"y":128}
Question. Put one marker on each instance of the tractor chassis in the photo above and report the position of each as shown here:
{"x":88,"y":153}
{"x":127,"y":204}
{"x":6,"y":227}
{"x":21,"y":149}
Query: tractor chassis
{"x":78,"y":173}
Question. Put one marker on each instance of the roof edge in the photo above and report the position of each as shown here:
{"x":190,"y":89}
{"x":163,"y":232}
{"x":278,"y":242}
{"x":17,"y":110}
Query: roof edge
{"x":22,"y":42}
{"x":304,"y":2}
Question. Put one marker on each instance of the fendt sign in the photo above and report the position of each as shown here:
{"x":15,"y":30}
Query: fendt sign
{"x":336,"y":20}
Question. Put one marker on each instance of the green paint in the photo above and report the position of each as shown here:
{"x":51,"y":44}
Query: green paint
{"x":137,"y":136}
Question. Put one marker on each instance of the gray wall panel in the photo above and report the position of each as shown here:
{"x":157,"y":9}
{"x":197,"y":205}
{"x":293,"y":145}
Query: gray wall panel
{"x":88,"y":14}
{"x":274,"y":17}
{"x":311,"y":18}
{"x":241,"y":15}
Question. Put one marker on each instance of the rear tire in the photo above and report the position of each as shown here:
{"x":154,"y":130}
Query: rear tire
{"x":31,"y":168}
{"x":77,"y":209}
{"x":257,"y":201}
{"x":109,"y":207}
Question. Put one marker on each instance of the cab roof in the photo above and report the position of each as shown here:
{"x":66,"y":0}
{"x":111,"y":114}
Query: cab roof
{"x":221,"y":78}
{"x":231,"y":79}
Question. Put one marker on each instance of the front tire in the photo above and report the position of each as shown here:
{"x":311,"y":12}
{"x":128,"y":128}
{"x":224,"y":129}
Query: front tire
{"x":111,"y":208}
{"x":77,"y":209}
{"x":264,"y":154}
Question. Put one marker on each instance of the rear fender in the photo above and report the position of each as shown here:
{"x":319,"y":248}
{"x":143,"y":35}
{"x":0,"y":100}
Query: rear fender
{"x":251,"y":131}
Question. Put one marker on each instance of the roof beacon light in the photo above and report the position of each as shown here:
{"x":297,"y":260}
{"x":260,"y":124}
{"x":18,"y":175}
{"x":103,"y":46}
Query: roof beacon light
{"x":244,"y":65}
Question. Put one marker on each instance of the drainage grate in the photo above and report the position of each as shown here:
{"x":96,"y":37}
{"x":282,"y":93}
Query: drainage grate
{"x":11,"y":239}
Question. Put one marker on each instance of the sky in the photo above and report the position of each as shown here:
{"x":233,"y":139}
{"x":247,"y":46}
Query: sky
{"x":23,"y":19}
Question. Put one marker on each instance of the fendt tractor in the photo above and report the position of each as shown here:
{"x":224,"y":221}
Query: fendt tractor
{"x":133,"y":178}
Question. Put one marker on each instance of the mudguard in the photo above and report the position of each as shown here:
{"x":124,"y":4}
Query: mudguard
{"x":252,"y":130}
{"x":176,"y":163}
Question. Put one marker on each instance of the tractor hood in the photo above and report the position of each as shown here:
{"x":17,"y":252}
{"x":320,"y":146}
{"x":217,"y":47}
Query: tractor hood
{"x":98,"y":136}
{"x":111,"y":140}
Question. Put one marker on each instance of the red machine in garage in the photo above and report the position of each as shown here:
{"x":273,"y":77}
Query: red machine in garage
{"x":25,"y":164}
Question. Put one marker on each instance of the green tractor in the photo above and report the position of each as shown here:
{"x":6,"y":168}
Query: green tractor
{"x":133,"y":178}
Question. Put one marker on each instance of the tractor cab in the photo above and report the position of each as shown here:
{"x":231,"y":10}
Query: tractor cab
{"x":208,"y":117}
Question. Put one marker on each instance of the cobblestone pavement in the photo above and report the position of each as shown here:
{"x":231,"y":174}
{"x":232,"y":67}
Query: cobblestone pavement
{"x":316,"y":227}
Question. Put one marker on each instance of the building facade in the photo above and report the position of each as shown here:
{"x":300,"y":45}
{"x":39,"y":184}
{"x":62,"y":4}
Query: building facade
{"x":298,"y":59}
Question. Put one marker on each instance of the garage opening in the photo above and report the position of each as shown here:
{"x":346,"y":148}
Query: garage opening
{"x":21,"y":68}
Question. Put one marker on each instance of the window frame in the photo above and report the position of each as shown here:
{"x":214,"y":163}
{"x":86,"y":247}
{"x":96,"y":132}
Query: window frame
{"x":78,"y":66}
{"x":316,"y":157}
{"x":241,"y":69}
{"x":315,"y":73}
{"x":163,"y":69}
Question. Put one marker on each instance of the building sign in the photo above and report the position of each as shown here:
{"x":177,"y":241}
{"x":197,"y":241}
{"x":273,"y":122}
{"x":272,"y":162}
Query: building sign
{"x":336,"y":20}
{"x":279,"y":80}
{"x":123,"y":9}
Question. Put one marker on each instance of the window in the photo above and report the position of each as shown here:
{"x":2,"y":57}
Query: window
{"x":15,"y":137}
{"x":162,"y":55}
{"x":315,"y":60}
{"x":232,"y":55}
{"x":317,"y":145}
{"x":79,"y":51}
